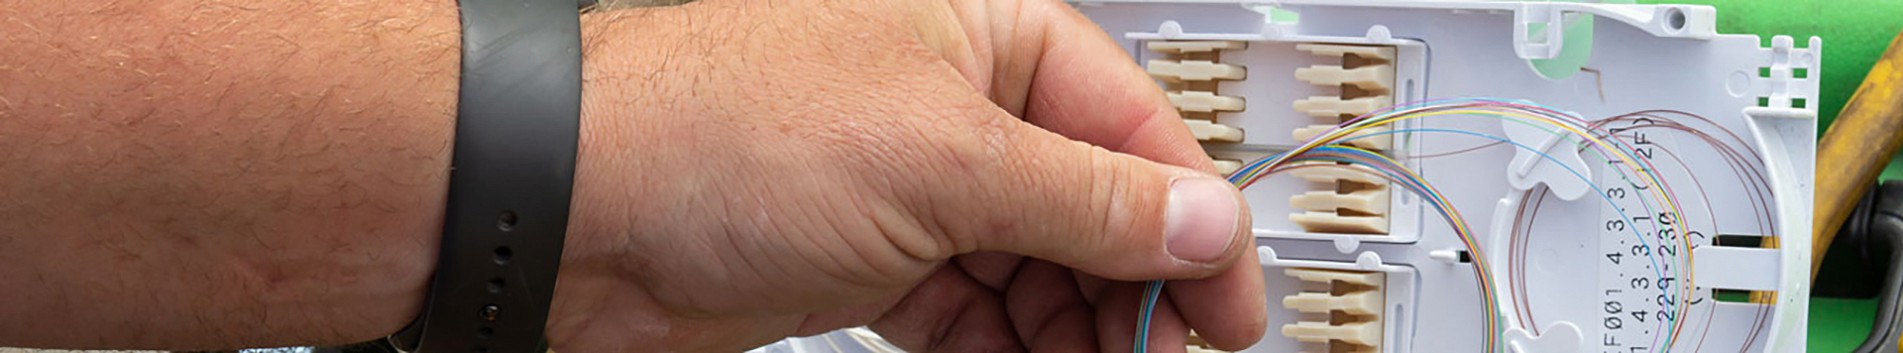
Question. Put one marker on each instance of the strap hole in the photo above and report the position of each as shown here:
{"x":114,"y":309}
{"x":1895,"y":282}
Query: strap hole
{"x":489,"y":312}
{"x":496,"y":285}
{"x":502,"y":255}
{"x":506,"y":221}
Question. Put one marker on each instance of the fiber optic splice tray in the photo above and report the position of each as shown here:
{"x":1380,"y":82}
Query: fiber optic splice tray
{"x":1582,"y":256}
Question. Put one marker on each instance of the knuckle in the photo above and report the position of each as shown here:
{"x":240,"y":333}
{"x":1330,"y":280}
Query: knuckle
{"x":1105,"y":185}
{"x":1122,"y":202}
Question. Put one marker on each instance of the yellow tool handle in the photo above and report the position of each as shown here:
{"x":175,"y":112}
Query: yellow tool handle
{"x":1857,"y":147}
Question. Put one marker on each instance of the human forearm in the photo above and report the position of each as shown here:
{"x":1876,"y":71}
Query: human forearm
{"x":192,"y":174}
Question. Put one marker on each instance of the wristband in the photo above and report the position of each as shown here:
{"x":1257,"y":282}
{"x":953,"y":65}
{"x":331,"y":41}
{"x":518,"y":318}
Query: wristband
{"x":517,"y":124}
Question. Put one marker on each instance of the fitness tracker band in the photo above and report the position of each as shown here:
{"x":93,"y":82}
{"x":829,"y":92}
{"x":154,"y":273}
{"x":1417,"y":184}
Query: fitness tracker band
{"x":517,"y":124}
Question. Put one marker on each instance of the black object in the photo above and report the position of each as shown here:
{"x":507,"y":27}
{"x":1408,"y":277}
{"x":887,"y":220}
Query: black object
{"x":1855,"y":265}
{"x":1877,"y":225}
{"x":518,"y":121}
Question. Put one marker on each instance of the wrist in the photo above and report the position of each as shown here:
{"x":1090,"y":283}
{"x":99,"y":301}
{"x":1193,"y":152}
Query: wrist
{"x":510,"y":192}
{"x":363,"y":275}
{"x":625,"y":89}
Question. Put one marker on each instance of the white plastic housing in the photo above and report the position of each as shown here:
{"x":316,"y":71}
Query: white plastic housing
{"x":1284,"y":59}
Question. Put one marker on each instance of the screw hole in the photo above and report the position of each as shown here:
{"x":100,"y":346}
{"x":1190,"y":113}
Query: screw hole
{"x":502,"y":255}
{"x":496,"y":285}
{"x":506,"y":221}
{"x":1675,"y":19}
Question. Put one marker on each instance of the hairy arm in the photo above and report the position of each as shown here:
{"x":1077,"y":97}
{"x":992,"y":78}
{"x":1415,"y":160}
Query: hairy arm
{"x":208,"y":173}
{"x":200,"y":174}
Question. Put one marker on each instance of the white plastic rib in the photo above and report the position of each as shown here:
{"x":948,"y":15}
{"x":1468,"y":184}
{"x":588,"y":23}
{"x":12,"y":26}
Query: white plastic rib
{"x":1199,"y":46}
{"x":1332,"y":276}
{"x":1228,"y":166}
{"x":1195,"y":70}
{"x":1330,"y":222}
{"x":1338,"y":172}
{"x":1362,"y":333}
{"x":1323,"y":106}
{"x":1382,"y":142}
{"x":1374,"y":201}
{"x":1372,"y":77}
{"x":1205,"y":130}
{"x":1358,"y":303}
{"x":1365,"y":52}
{"x":1205,"y":102}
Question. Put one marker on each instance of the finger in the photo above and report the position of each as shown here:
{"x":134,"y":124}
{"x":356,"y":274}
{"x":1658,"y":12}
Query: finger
{"x":1118,"y":323}
{"x":1072,"y":78}
{"x":1093,"y":287}
{"x":1229,"y":310}
{"x":1031,"y":192}
{"x":1049,"y":312}
{"x":854,"y":315}
{"x":993,"y":269}
{"x":1114,"y":103}
{"x":949,"y":312}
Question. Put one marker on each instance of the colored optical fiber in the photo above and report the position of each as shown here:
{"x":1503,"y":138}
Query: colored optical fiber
{"x":1574,"y":125}
{"x":1331,"y":155}
{"x":1481,"y":107}
{"x":1534,"y":112}
{"x":1598,"y":190}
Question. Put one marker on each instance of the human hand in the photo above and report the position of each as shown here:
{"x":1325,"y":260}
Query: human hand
{"x":756,"y":169}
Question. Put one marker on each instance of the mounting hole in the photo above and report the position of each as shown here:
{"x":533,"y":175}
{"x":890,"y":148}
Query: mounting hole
{"x":496,"y":285}
{"x":506,"y":221}
{"x":502,"y":255}
{"x":1675,"y":19}
{"x":485,"y":332}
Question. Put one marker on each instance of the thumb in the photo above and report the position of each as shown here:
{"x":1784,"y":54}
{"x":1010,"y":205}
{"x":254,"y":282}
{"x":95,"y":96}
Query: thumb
{"x":1109,"y":214}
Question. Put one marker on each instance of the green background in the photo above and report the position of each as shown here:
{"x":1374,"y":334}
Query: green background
{"x":1855,"y":33}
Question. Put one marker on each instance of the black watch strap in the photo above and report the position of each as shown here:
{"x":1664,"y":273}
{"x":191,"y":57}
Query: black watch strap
{"x":517,"y":126}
